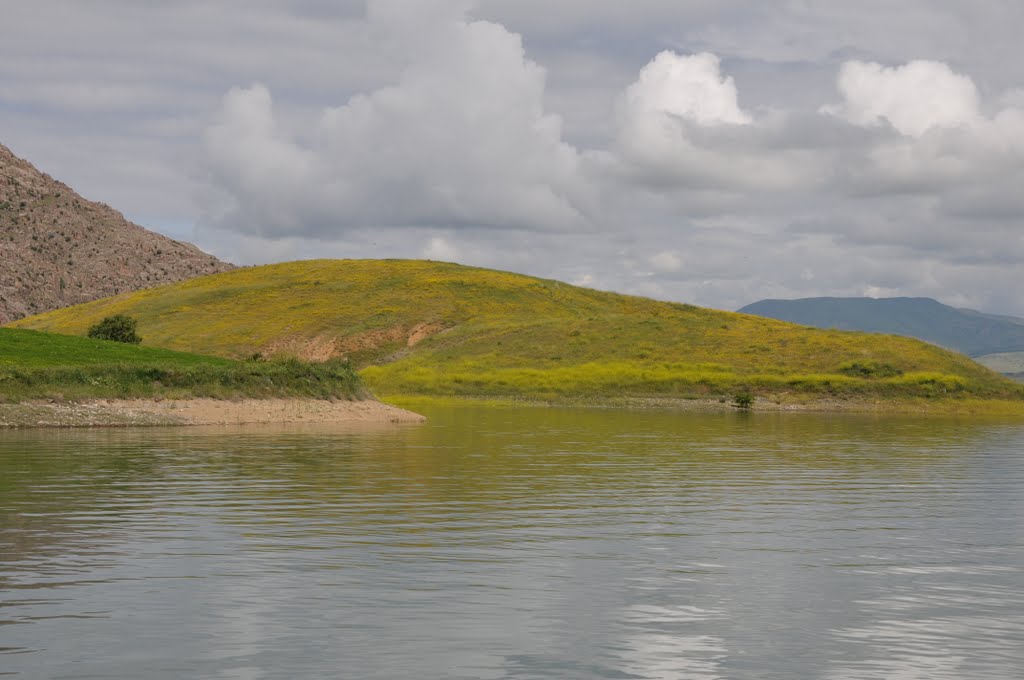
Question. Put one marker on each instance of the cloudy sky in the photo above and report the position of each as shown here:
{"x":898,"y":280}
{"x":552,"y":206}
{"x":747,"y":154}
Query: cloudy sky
{"x":708,"y":151}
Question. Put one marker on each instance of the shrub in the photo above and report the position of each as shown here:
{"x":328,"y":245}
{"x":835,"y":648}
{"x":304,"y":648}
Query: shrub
{"x":743,"y":400}
{"x":119,"y":328}
{"x":869,"y":369}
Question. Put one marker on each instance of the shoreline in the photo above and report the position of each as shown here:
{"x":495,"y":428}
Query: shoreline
{"x":822,"y":405}
{"x":202,"y":411}
{"x":97,"y":413}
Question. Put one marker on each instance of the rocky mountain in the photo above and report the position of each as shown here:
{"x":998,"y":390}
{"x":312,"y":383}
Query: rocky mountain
{"x":57,"y":249}
{"x":973,"y":333}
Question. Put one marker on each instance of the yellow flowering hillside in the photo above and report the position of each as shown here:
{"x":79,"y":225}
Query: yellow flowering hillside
{"x":428,"y":328}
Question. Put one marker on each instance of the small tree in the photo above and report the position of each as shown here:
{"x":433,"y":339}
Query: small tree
{"x":743,"y":400}
{"x":119,"y":328}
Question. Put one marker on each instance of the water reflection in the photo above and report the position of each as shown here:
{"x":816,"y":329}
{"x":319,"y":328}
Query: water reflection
{"x":520,"y":543}
{"x":672,"y":643}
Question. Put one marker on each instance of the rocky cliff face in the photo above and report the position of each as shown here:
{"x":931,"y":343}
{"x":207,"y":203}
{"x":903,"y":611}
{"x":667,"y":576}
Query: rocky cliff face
{"x":58,"y":249}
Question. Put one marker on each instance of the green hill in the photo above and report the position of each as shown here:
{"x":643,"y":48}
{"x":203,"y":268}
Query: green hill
{"x":418,"y":327}
{"x":35,"y":365}
{"x":964,"y":330}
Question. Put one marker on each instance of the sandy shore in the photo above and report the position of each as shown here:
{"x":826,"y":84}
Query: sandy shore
{"x":142,"y":412}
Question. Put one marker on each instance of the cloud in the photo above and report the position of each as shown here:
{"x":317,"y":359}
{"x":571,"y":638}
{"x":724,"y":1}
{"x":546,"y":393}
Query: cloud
{"x":681,"y":128}
{"x":90,"y":97}
{"x":260,"y":171}
{"x":666,"y":261}
{"x":913,"y":98}
{"x":661,"y":112}
{"x":690,"y":87}
{"x":462,"y":139}
{"x":942,"y":148}
{"x":440,"y":249}
{"x":415,"y":15}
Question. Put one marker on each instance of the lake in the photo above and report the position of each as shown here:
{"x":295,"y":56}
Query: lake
{"x":518,"y":543}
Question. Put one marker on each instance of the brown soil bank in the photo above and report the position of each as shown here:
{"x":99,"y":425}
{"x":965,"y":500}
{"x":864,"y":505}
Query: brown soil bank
{"x":142,"y":412}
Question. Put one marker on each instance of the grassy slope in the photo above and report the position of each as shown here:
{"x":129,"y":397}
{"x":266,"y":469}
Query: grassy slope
{"x":36,"y":365}
{"x":513,"y":335}
{"x":32,"y":349}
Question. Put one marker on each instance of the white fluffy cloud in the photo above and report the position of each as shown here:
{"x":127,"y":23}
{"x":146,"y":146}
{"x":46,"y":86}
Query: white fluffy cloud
{"x":946,"y":149}
{"x":681,"y":128}
{"x":913,"y":98}
{"x":462,"y":139}
{"x":690,"y":87}
{"x":255,"y":164}
{"x":672,"y":98}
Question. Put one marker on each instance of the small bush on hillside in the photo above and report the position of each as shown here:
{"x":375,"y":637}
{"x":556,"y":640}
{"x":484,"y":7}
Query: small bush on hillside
{"x":869,"y":369}
{"x":119,"y":328}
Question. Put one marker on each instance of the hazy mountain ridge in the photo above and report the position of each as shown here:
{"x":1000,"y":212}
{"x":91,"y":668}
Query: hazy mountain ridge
{"x":964,"y":330}
{"x":58,"y":249}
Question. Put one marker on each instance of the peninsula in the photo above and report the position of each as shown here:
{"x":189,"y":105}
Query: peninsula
{"x":419,"y":329}
{"x":56,"y":380}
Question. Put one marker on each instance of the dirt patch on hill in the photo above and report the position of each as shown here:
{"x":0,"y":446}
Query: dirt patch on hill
{"x":323,"y":347}
{"x":319,"y":348}
{"x":423,"y":331}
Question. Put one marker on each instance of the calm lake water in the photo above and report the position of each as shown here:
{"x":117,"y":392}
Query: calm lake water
{"x":518,"y":543}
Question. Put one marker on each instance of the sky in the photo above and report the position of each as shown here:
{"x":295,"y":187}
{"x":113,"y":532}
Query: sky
{"x":715,"y":152}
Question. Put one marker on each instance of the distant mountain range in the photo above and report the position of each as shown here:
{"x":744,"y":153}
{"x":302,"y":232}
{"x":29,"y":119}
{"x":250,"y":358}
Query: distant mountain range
{"x":973,"y":333}
{"x":58,"y":249}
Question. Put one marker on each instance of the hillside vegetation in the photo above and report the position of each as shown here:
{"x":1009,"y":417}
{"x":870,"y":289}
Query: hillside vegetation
{"x":426,"y":328}
{"x":35,"y":365}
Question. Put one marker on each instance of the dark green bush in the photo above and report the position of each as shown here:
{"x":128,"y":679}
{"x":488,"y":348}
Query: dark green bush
{"x":869,"y":369}
{"x":119,"y":328}
{"x":743,"y":400}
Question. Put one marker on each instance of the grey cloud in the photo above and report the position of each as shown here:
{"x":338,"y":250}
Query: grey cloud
{"x":999,"y":201}
{"x":460,"y":139}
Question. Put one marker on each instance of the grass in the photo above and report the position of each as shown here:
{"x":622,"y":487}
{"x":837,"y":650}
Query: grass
{"x":33,"y":349}
{"x":495,"y":335}
{"x":35,"y":365}
{"x":634,"y":379}
{"x":974,"y":408}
